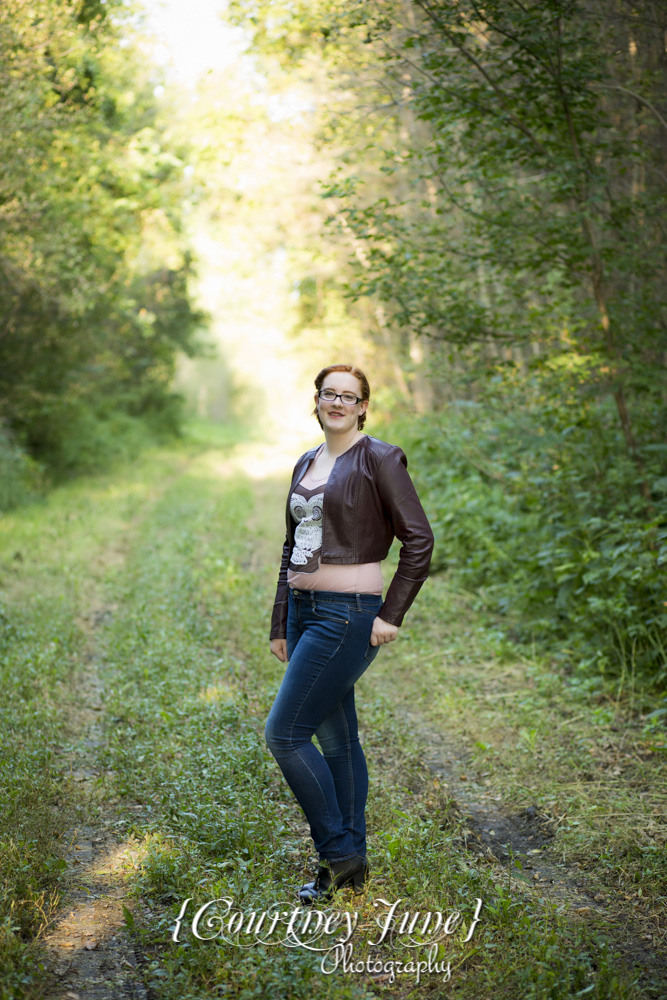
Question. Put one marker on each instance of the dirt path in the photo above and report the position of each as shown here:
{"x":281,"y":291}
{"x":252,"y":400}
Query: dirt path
{"x":520,"y":845}
{"x":89,"y":950}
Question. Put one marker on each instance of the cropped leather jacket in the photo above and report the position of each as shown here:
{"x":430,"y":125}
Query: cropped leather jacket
{"x":369,"y":499}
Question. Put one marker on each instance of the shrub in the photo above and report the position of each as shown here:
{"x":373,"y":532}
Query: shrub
{"x":536,"y":507}
{"x":19,"y":474}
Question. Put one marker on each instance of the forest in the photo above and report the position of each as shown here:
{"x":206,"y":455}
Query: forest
{"x":470,"y":201}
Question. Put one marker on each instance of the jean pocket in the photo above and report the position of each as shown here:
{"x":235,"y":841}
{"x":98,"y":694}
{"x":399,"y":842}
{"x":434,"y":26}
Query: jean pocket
{"x":338,"y":613}
{"x":371,"y":653}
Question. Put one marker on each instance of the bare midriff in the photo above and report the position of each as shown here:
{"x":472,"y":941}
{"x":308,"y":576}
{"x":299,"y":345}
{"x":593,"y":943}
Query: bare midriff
{"x":363,"y":578}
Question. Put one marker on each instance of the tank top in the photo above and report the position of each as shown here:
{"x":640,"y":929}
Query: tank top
{"x":305,"y":571}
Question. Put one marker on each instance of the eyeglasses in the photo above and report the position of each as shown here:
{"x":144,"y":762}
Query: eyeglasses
{"x":345,"y":397}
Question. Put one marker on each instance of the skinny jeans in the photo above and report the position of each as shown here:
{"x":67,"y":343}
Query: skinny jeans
{"x":328,"y":649}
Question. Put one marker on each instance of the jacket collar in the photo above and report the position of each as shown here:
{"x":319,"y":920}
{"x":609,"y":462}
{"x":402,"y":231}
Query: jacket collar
{"x":365,"y":442}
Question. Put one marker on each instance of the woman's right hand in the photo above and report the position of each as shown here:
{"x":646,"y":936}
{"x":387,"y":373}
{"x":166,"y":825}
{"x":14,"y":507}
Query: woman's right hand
{"x":279,"y":648}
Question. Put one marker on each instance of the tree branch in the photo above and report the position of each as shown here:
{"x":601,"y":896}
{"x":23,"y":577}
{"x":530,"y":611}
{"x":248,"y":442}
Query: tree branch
{"x":637,"y":97}
{"x":489,"y":79}
{"x":447,"y":90}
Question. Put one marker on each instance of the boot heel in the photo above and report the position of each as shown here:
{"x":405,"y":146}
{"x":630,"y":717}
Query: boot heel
{"x":359,"y":880}
{"x":335,"y":875}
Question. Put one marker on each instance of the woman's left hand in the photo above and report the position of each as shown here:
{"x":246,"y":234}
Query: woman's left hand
{"x":383,"y":632}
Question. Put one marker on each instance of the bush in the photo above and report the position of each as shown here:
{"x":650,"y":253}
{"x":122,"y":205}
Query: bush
{"x":537,"y":507}
{"x":19,"y":474}
{"x":84,"y":441}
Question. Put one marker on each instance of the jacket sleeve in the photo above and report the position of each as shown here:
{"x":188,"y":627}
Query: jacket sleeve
{"x":279,"y":614}
{"x":410,"y":525}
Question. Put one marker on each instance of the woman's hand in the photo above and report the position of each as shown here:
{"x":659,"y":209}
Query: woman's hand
{"x":383,"y":632}
{"x":279,"y":648}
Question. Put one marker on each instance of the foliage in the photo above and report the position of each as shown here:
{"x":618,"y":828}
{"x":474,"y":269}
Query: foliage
{"x":37,"y":646}
{"x":502,"y":196}
{"x":536,"y":508}
{"x":19,"y":475}
{"x":94,"y":276}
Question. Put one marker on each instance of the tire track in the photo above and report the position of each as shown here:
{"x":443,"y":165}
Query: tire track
{"x":506,"y":838}
{"x":88,"y":951}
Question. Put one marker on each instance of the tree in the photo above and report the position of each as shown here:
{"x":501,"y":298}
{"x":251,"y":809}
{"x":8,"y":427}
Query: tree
{"x":512,"y":217}
{"x":92,"y":305}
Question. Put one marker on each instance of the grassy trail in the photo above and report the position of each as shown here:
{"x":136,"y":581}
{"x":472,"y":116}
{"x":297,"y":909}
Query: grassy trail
{"x":136,"y":679}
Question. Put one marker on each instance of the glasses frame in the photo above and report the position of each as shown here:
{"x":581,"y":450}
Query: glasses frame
{"x":339,"y":395}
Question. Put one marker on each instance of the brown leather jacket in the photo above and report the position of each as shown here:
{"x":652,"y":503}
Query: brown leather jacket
{"x":369,"y":499}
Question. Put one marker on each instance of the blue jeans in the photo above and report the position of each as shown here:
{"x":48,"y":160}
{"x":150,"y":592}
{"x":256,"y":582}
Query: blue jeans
{"x":328,"y":649}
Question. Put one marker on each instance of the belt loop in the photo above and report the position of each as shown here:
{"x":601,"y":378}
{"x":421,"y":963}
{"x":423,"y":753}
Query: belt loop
{"x":358,"y":597}
{"x":312,"y":598}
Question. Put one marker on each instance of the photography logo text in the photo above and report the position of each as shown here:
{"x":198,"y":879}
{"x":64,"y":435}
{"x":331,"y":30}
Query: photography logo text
{"x":329,"y":933}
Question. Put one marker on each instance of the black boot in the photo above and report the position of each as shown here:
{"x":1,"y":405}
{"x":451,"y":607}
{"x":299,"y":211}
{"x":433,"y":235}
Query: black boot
{"x":334,"y":875}
{"x":323,"y":870}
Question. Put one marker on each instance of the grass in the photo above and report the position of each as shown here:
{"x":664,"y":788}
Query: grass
{"x":181,"y":556}
{"x":587,"y":759}
{"x":53,"y":557}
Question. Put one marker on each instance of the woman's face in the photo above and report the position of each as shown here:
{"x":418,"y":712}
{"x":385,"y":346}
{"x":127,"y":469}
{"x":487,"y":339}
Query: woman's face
{"x":336,"y":415}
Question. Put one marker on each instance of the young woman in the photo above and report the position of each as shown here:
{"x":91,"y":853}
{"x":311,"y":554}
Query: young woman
{"x":347,"y":501}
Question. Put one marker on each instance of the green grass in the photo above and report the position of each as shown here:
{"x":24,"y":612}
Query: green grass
{"x":182,"y":554}
{"x":54,"y":556}
{"x":588,"y":759}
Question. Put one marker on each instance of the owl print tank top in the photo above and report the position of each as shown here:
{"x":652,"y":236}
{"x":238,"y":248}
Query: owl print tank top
{"x":305,"y":571}
{"x":306,"y":507}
